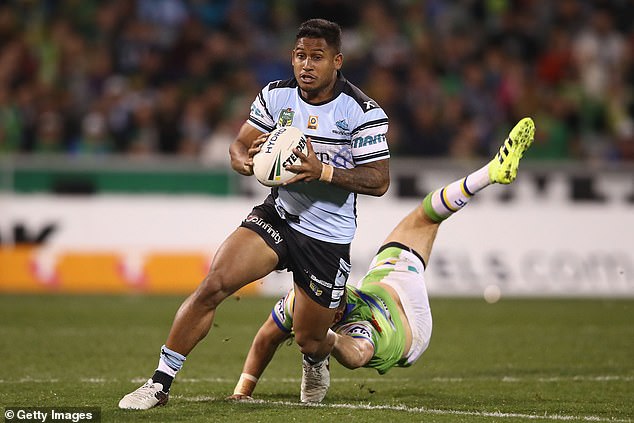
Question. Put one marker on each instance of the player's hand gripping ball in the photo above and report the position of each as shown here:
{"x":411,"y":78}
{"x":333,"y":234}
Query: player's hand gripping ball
{"x":277,"y":153}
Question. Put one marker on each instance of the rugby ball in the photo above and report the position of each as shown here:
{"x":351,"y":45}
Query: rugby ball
{"x":277,"y":153}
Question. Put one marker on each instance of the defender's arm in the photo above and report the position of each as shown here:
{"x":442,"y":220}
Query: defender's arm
{"x":262,"y":350}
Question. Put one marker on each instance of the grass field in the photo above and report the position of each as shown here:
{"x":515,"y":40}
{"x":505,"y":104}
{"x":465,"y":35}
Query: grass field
{"x":513,"y":361}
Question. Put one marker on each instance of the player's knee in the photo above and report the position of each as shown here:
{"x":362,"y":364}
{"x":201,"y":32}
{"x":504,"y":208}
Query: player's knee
{"x":309,"y":348}
{"x":211,"y":292}
{"x":308,"y":344}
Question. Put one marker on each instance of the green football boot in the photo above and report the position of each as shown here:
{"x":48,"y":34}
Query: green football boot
{"x":503,"y":168}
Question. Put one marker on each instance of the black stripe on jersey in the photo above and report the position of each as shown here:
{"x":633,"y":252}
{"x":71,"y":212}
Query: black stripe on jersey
{"x":324,"y":140}
{"x":379,"y":154}
{"x":261,"y":125}
{"x":370,"y":124}
{"x":266,"y":108}
{"x":365,"y":102}
{"x":284,"y":83}
{"x":354,"y":208}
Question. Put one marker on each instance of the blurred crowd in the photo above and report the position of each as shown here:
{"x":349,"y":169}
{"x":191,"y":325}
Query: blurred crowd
{"x":176,"y":77}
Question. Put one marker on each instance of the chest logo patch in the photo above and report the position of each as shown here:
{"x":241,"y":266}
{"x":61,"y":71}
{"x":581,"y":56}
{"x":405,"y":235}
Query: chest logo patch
{"x":312,"y":122}
{"x":286,"y":117}
{"x":342,"y":127}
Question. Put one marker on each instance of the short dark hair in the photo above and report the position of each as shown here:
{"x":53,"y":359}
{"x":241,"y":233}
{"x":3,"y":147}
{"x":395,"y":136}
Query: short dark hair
{"x":321,"y":28}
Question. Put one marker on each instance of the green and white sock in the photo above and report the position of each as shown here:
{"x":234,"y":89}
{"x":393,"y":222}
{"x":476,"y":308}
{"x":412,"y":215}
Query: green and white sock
{"x":442,"y":203}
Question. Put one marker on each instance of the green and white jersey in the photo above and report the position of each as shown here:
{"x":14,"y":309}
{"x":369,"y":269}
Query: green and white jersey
{"x":370,"y":314}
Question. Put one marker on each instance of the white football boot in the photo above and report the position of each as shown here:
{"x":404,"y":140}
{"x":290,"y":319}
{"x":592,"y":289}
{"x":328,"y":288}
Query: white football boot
{"x":315,"y":380}
{"x":147,"y":396}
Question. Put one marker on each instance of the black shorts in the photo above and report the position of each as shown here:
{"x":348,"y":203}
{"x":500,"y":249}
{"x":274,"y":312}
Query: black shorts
{"x":320,"y":268}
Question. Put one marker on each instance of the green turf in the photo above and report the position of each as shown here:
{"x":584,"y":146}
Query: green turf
{"x":514,"y":361}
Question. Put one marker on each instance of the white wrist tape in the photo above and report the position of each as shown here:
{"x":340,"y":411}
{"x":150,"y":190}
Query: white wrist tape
{"x":245,"y":385}
{"x":326,"y":173}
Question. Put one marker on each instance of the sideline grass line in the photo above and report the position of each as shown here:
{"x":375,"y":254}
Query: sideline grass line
{"x":422,"y":410}
{"x":505,"y":379}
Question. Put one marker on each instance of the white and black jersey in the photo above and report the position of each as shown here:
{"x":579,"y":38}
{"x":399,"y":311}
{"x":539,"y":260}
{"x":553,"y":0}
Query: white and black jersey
{"x":346,"y":131}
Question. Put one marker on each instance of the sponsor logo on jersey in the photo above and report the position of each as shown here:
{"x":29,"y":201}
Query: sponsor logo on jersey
{"x":356,"y":330}
{"x":370,"y":104}
{"x":312,"y":122}
{"x":361,"y":331}
{"x":266,"y":226}
{"x":342,"y":128}
{"x":342,"y":158}
{"x":286,"y":117}
{"x":279,"y":310}
{"x":369,"y":140}
{"x":317,"y":290}
{"x":256,"y":111}
{"x":320,"y":282}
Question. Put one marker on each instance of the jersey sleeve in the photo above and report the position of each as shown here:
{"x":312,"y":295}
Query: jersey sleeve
{"x":260,"y":116}
{"x":282,"y":313}
{"x":359,"y":330}
{"x":369,"y":140}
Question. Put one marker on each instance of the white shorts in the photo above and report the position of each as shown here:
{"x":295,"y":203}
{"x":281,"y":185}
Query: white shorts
{"x":409,"y":283}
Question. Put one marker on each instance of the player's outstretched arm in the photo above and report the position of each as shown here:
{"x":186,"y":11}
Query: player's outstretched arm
{"x":262,"y":350}
{"x":352,"y":352}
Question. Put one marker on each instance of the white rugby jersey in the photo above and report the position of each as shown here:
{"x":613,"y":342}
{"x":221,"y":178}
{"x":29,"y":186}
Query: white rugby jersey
{"x":346,"y":131}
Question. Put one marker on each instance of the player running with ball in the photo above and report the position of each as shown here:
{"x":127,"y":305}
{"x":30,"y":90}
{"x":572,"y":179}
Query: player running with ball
{"x":386,"y":321}
{"x":305,"y":228}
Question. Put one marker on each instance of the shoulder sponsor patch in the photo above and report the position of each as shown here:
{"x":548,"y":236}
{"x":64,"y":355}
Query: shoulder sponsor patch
{"x":361,"y":329}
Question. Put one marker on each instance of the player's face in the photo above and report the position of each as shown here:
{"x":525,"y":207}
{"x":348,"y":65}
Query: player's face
{"x":315,"y":66}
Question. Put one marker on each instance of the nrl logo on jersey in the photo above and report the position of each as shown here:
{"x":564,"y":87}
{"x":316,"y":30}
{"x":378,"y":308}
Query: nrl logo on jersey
{"x":342,"y":128}
{"x":286,"y":117}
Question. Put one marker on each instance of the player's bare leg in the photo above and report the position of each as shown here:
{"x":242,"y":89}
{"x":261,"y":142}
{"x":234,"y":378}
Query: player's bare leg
{"x":418,"y":229}
{"x":226,"y":275}
{"x":311,"y":323}
{"x":195,"y":316}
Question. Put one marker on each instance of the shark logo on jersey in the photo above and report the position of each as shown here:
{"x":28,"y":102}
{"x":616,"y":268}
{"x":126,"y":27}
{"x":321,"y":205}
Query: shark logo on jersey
{"x":342,"y":128}
{"x":286,"y":117}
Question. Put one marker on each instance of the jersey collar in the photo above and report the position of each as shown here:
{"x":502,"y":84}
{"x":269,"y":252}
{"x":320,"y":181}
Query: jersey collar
{"x":340,"y":83}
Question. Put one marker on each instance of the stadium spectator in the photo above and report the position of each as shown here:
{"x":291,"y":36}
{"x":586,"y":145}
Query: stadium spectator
{"x":385,"y":321}
{"x":10,"y":123}
{"x":304,"y":226}
{"x":94,"y":139}
{"x":195,"y":129}
{"x":514,"y":58}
